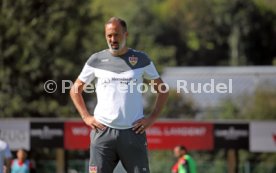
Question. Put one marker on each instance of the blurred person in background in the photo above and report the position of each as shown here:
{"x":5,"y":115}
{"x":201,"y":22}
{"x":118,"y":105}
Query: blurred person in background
{"x":5,"y":157}
{"x":185,"y":163}
{"x":21,"y":164}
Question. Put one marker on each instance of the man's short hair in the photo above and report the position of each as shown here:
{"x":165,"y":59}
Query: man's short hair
{"x":116,"y":19}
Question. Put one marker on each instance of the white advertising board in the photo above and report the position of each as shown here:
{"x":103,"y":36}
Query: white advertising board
{"x":263,"y":136}
{"x":16,"y":133}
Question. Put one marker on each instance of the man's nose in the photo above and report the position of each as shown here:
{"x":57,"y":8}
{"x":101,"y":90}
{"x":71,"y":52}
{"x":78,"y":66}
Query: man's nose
{"x":113,"y":39}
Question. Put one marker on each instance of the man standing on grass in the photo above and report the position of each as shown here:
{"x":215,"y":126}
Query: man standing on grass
{"x":118,"y":123}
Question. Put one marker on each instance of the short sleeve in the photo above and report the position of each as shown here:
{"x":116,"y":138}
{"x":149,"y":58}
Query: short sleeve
{"x":150,"y":72}
{"x":87,"y":74}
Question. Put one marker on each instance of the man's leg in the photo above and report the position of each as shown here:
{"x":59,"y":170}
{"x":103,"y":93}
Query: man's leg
{"x":132,"y":150}
{"x":103,"y":157}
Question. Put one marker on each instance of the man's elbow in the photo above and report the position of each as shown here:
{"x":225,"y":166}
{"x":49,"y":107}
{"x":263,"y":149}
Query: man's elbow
{"x":75,"y":90}
{"x":164,"y":90}
{"x":71,"y":93}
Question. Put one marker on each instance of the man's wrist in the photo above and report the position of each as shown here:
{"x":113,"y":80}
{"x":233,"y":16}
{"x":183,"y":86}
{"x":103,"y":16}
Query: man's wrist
{"x":83,"y":117}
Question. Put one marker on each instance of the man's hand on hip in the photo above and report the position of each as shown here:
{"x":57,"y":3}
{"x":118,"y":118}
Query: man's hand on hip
{"x":93,"y":123}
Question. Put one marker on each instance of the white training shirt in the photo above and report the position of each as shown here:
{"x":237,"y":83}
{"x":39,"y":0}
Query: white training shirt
{"x":118,"y":81}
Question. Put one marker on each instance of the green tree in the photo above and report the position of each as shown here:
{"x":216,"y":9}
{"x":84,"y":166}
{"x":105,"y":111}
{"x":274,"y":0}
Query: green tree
{"x":218,"y":32}
{"x":261,"y":105}
{"x":190,"y":27}
{"x":40,"y":41}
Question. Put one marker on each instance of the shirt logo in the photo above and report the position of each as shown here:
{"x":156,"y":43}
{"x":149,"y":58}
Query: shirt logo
{"x":104,"y":60}
{"x":133,"y":60}
{"x":92,"y":169}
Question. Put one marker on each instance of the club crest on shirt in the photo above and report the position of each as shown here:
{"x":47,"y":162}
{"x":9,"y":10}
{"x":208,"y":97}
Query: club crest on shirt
{"x":92,"y":169}
{"x":133,"y":60}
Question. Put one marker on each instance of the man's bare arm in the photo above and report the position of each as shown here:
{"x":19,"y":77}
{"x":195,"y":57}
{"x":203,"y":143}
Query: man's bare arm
{"x":77,"y":98}
{"x":161,"y":99}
